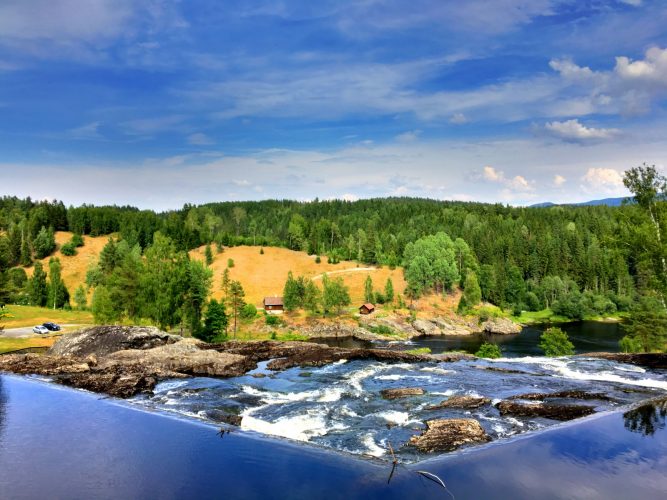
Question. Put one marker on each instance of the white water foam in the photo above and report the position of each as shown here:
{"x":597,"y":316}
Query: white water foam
{"x":395,"y":417}
{"x":328,"y":395}
{"x":438,"y":370}
{"x":372,"y":447}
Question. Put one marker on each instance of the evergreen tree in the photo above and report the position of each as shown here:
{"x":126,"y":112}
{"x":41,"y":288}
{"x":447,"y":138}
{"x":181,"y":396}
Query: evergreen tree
{"x":25,"y":258}
{"x":38,"y":291}
{"x":103,"y":309}
{"x":291,"y":297}
{"x":199,"y":279}
{"x":389,"y":291}
{"x":225,"y":285}
{"x":488,"y":350}
{"x":215,"y":322}
{"x":555,"y":342}
{"x":81,"y":298}
{"x":647,"y":325}
{"x":209,"y":254}
{"x":472,"y":294}
{"x":44,"y":243}
{"x":312,"y":297}
{"x":369,"y":297}
{"x":236,"y":302}
{"x":58,"y":293}
{"x":108,"y":257}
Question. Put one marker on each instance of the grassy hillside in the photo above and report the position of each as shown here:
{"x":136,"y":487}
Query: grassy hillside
{"x":261,"y":275}
{"x":20,"y":316}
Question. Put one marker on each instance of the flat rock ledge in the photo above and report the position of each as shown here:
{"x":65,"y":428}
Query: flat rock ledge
{"x":545,"y":410}
{"x":568,"y":394}
{"x":501,"y":326}
{"x":402,"y":392}
{"x":449,"y":434}
{"x":461,"y":402}
{"x":651,"y":360}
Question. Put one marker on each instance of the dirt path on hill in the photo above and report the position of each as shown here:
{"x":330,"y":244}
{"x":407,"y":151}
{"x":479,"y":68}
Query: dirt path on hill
{"x":352,"y":270}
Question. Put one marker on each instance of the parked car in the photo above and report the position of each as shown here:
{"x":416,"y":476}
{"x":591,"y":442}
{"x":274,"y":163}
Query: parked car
{"x":41,"y":329}
{"x":52,"y":327}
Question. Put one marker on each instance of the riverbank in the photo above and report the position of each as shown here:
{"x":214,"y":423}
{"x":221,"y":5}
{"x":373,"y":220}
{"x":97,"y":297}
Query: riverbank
{"x":105,"y":449}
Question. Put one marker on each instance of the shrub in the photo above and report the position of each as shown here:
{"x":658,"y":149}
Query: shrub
{"x":381,"y":330}
{"x":230,"y":262}
{"x":68,"y":249}
{"x":249,"y":311}
{"x":261,"y":251}
{"x":317,"y":259}
{"x":77,"y":240}
{"x":488,"y":350}
{"x":486,"y":313}
{"x":628,"y":344}
{"x":555,"y":342}
{"x":419,"y":350}
{"x":272,"y":320}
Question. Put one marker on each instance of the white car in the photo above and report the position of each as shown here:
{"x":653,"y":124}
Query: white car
{"x":41,"y":329}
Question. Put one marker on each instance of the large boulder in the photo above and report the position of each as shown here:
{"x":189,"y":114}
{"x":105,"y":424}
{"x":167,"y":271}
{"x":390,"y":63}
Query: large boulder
{"x":104,"y":340}
{"x":461,"y":402}
{"x":501,"y":326}
{"x":426,"y":327}
{"x":551,"y":411}
{"x":402,"y":392}
{"x":449,"y":434}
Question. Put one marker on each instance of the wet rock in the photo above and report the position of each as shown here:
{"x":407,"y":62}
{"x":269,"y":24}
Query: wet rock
{"x":501,"y":326}
{"x":651,"y":360}
{"x":507,"y":370}
{"x":449,"y":434}
{"x":451,"y":357}
{"x":552,"y":411}
{"x":461,"y":402}
{"x":103,"y":340}
{"x":569,"y":394}
{"x":113,"y":381}
{"x":426,"y":327}
{"x":24,"y":364}
{"x":402,"y":392}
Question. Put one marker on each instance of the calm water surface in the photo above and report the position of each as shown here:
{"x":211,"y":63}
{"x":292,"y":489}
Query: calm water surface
{"x":61,"y":443}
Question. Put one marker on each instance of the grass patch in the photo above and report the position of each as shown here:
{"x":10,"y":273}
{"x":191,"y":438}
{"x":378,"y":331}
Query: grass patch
{"x":543,"y":316}
{"x":381,"y":330}
{"x":419,"y":350}
{"x":12,"y":344}
{"x":23,"y":316}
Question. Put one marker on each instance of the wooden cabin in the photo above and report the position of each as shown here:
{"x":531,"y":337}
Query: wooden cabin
{"x":273,"y":305}
{"x":366,"y":308}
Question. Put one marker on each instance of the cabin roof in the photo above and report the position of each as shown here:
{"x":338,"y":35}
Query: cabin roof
{"x":273,"y":301}
{"x":368,"y":306}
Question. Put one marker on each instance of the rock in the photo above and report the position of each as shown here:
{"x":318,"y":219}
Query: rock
{"x":501,"y":326}
{"x":451,"y":357}
{"x":113,"y":381}
{"x":571,"y":394}
{"x":552,"y":411}
{"x":651,"y":360}
{"x":426,"y":327}
{"x":397,"y":325}
{"x":463,"y":402}
{"x":339,"y":330}
{"x":451,"y":327}
{"x":25,"y":364}
{"x":449,"y":434}
{"x":403,"y":392}
{"x":103,"y":340}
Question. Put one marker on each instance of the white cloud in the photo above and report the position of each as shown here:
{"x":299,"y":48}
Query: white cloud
{"x":410,"y":136}
{"x":86,"y":132}
{"x":199,"y":139}
{"x":458,"y":119}
{"x":559,"y":180}
{"x":606,"y":178}
{"x":573,"y":130}
{"x":520,"y":183}
{"x":491,"y":174}
{"x":635,"y":3}
{"x":516,"y":183}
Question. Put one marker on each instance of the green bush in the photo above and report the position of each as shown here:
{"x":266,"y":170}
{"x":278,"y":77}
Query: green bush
{"x":555,"y":342}
{"x":77,"y":240}
{"x":488,"y":350}
{"x":68,"y":249}
{"x":272,"y":320}
{"x":628,"y":344}
{"x":230,"y":262}
{"x":318,"y":260}
{"x":419,"y":350}
{"x":249,"y":311}
{"x":381,"y":330}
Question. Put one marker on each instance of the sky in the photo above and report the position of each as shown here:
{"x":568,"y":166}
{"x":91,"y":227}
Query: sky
{"x":158,"y":103}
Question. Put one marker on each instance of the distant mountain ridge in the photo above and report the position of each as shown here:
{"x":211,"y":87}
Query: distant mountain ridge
{"x":610,"y":202}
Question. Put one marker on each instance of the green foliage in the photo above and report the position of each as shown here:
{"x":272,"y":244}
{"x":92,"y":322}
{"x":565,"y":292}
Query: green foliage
{"x":312,"y":297}
{"x":215,"y":323}
{"x":261,"y":251}
{"x":317,"y":259}
{"x":381,"y":330}
{"x":58,"y":294}
{"x":419,"y":350}
{"x":486,"y":313}
{"x":68,"y":249}
{"x":369,"y":296}
{"x":472,"y":294}
{"x":647,"y":325}
{"x":630,"y":344}
{"x":294,"y":292}
{"x":38,"y":290}
{"x":555,"y":342}
{"x":197,"y":289}
{"x":488,"y":350}
{"x":230,"y":263}
{"x":208,"y":254}
{"x":249,"y":311}
{"x":236,"y":301}
{"x":81,"y":298}
{"x":44,"y":243}
{"x":335,"y":295}
{"x":77,"y":240}
{"x":272,"y":320}
{"x":389,"y":291}
{"x":103,"y":309}
{"x":431,"y":264}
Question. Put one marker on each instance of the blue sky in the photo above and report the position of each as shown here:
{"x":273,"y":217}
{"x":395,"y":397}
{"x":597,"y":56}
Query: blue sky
{"x":157,"y":103}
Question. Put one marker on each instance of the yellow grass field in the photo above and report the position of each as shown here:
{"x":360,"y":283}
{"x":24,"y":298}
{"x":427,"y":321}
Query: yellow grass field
{"x":265,"y":275}
{"x":74,"y":268}
{"x":261,"y":275}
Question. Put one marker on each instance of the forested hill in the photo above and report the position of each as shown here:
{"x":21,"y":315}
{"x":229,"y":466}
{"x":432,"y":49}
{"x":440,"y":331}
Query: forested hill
{"x":589,"y":248}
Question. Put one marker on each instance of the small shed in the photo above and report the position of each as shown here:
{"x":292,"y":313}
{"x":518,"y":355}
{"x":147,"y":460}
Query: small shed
{"x":366,"y":308}
{"x":273,"y":304}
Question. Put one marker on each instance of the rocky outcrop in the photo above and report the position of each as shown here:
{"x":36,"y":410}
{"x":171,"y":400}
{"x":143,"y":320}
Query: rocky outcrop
{"x":501,"y":326}
{"x":339,"y":330}
{"x":552,"y":411}
{"x":396,"y":324}
{"x":651,"y":360}
{"x":103,"y":340}
{"x":402,"y":392}
{"x":426,"y":327}
{"x":449,"y":434}
{"x":461,"y":402}
{"x":570,"y":394}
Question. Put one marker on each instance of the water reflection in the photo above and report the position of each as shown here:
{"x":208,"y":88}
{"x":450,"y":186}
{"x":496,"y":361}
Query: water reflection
{"x":647,"y":418}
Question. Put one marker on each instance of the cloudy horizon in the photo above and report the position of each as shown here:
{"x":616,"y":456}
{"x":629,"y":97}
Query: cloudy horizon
{"x":158,"y":103}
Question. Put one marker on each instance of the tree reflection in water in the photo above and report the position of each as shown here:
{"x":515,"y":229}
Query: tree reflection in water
{"x":647,"y":418}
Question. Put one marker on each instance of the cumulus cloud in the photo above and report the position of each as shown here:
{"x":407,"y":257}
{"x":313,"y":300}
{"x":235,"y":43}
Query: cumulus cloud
{"x":604,"y":178}
{"x":410,"y":136}
{"x":559,"y":180}
{"x":573,"y":130}
{"x":491,"y":174}
{"x":516,"y":183}
{"x":458,"y":119}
